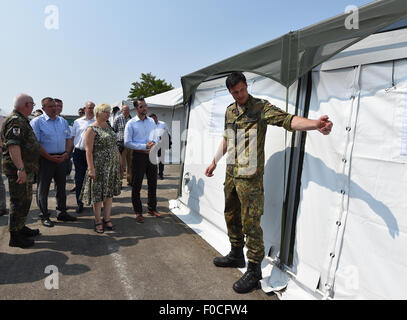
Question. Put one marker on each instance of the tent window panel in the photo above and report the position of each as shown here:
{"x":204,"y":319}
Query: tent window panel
{"x":221,"y":100}
{"x":382,"y":119}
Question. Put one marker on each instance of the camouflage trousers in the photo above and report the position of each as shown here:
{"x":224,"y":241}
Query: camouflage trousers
{"x":20,"y":201}
{"x":244,"y":202}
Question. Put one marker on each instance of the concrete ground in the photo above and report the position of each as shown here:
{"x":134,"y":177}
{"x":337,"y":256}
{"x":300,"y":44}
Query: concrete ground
{"x":161,"y":259}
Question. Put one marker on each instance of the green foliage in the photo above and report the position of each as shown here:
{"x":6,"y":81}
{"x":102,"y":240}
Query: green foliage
{"x":148,"y":86}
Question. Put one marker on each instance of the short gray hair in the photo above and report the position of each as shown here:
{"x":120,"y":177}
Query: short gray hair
{"x":21,"y":99}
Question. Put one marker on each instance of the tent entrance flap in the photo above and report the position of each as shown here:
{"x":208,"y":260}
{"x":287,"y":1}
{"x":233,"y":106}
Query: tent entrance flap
{"x":292,"y":195}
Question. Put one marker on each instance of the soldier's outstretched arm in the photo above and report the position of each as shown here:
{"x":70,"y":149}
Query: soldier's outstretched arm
{"x":323,"y":124}
{"x":219,"y":154}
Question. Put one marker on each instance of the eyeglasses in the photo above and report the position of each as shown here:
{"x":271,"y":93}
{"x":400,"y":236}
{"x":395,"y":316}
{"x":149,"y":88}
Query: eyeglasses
{"x":32,"y":103}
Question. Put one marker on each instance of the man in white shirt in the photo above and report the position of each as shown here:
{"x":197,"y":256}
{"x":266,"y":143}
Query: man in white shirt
{"x":165,"y":137}
{"x":140,"y":136}
{"x":79,"y":155}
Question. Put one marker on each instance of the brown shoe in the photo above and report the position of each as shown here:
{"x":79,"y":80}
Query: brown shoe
{"x":154,"y":213}
{"x":139,"y":218}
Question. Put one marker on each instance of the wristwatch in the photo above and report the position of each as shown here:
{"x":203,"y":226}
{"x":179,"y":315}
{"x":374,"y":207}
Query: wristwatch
{"x":21,"y":169}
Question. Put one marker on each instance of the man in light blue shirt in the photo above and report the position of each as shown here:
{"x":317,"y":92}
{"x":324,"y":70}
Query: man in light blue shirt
{"x":140,"y":136}
{"x":54,"y":135}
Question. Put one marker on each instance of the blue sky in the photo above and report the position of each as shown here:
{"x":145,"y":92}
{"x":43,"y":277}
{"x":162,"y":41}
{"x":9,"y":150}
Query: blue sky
{"x":101,"y":47}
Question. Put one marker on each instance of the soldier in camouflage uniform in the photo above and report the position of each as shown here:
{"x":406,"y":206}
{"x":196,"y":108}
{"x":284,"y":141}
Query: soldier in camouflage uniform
{"x":21,"y":155}
{"x":246,"y":123}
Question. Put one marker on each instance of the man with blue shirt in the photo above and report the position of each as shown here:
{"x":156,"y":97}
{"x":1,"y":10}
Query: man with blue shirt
{"x":140,"y":136}
{"x":54,"y":136}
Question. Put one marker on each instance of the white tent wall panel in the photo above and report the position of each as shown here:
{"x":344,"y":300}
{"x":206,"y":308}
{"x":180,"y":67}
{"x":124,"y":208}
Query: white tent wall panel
{"x":373,"y":262}
{"x":322,"y":177}
{"x":351,"y":220}
{"x":205,"y":196}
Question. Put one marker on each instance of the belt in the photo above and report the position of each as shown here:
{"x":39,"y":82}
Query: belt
{"x":77,"y":149}
{"x":142,"y":151}
{"x":57,"y":154}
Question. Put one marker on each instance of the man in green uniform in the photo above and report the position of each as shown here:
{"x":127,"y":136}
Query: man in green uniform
{"x":21,"y":156}
{"x":246,"y":123}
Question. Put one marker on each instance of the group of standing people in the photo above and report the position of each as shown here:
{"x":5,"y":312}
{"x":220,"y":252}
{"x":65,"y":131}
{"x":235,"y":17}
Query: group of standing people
{"x":97,"y":163}
{"x":42,"y":147}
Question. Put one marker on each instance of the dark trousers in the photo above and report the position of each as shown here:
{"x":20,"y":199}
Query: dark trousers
{"x":142,"y":165}
{"x":50,"y":170}
{"x":79,"y":160}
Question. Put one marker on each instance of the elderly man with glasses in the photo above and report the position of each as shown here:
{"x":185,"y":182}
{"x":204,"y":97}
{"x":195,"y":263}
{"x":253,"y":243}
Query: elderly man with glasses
{"x":21,"y":160}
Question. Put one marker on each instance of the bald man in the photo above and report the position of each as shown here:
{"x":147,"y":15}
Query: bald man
{"x":21,"y":160}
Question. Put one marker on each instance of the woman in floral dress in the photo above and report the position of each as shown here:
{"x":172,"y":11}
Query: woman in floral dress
{"x":102,"y":179}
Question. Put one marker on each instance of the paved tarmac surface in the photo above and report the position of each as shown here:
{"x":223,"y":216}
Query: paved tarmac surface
{"x":161,"y":259}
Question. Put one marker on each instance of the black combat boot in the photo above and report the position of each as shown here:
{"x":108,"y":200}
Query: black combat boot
{"x":18,"y":239}
{"x":250,"y":280}
{"x":234,"y":259}
{"x":29,"y":232}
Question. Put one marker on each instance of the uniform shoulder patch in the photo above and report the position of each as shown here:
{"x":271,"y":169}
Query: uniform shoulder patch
{"x":16,"y":131}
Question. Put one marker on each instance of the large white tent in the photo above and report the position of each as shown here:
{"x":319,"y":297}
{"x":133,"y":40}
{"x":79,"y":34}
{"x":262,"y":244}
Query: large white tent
{"x":334,"y":220}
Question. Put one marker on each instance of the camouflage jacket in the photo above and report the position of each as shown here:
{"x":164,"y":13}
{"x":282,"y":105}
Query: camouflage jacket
{"x":245,"y":130}
{"x":16,"y":130}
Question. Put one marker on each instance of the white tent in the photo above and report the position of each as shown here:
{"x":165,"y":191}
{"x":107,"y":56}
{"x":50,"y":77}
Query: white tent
{"x":169,"y":107}
{"x":347,"y":236}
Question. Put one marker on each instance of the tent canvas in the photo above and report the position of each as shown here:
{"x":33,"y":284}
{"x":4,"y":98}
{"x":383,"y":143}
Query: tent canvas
{"x":291,"y":56}
{"x":349,"y":183}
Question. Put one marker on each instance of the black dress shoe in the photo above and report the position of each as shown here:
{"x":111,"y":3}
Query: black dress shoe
{"x":79,"y":209}
{"x":46,"y":222}
{"x":64,"y":216}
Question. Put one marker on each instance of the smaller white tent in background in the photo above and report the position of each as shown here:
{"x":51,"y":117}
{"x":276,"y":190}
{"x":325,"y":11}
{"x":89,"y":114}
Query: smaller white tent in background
{"x":168,"y":107}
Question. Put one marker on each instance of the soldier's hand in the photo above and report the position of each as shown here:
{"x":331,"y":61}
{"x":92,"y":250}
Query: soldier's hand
{"x":21,"y":177}
{"x":209,"y":171}
{"x":324,"y":125}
